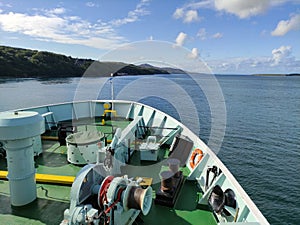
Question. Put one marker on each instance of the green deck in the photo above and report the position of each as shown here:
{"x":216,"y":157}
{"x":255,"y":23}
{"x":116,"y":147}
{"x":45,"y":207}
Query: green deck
{"x":185,"y":211}
{"x":54,"y":199}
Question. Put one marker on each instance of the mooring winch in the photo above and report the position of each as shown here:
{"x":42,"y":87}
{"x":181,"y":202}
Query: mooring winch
{"x":99,"y":198}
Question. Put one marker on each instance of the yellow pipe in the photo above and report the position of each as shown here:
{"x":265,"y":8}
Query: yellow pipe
{"x":46,"y":178}
{"x":50,"y":138}
{"x":108,"y":111}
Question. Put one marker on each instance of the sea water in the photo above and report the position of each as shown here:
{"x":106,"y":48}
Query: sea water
{"x":261,"y":145}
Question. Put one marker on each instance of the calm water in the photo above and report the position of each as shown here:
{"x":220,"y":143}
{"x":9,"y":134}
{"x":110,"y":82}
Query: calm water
{"x":261,"y":146}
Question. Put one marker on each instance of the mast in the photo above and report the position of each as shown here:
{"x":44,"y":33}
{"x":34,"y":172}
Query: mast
{"x":112,"y":90}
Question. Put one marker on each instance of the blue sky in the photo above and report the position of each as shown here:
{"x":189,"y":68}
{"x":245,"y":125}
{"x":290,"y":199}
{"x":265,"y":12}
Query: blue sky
{"x":231,"y":36}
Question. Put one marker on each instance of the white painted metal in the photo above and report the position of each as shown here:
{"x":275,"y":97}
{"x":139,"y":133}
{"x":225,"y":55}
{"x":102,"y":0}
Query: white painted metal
{"x":149,"y":150}
{"x":37,"y":145}
{"x":18,"y":130}
{"x":82,"y":147}
{"x":249,"y":213}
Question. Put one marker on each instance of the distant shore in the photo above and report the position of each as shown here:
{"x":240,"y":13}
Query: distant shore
{"x":277,"y":75}
{"x":27,"y":63}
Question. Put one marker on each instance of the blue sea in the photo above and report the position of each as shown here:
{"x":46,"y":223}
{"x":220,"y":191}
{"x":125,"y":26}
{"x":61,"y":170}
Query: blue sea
{"x":251,"y":122}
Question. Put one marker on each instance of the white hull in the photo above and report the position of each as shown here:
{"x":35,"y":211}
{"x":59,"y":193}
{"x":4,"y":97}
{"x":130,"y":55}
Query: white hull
{"x":248,"y":212}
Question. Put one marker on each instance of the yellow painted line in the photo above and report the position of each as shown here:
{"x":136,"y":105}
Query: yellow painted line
{"x":47,"y":178}
{"x":3,"y":174}
{"x":54,"y":179}
{"x":50,"y":138}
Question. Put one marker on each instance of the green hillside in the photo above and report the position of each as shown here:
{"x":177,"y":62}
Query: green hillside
{"x":18,"y":62}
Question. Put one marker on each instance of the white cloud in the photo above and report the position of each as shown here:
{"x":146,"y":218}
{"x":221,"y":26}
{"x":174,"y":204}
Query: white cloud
{"x":188,"y":12}
{"x":281,"y":60}
{"x":202,"y":34}
{"x":242,"y":8}
{"x":281,"y":54}
{"x":5,"y":5}
{"x":191,"y":16}
{"x":194,"y":53}
{"x":90,"y":4}
{"x":280,"y":2}
{"x":217,"y":35}
{"x":23,"y":23}
{"x":134,"y":15}
{"x":54,"y":25}
{"x":61,"y":29}
{"x":57,"y":11}
{"x":179,"y":13}
{"x":188,"y":16}
{"x":200,"y":4}
{"x":284,"y":26}
{"x":180,"y":39}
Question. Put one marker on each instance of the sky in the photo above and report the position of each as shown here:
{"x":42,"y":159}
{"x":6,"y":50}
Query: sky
{"x":230,"y":36}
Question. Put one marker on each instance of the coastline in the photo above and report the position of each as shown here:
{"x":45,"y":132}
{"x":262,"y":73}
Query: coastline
{"x":277,"y":75}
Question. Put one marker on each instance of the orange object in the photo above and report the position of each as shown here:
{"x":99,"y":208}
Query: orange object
{"x":196,"y":157}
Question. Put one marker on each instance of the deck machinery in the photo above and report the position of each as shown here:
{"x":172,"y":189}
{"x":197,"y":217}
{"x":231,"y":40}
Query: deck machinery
{"x":98,"y":196}
{"x":113,"y":190}
{"x":100,"y":199}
